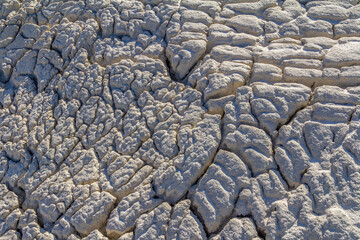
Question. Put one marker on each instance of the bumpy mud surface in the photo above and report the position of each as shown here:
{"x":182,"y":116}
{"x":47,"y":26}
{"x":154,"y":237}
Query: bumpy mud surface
{"x":149,"y":119}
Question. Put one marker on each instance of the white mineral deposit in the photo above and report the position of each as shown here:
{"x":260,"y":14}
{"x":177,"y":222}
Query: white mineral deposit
{"x":180,"y":119}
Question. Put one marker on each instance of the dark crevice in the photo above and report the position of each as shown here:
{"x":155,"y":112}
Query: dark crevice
{"x":248,"y":78}
{"x":20,"y":192}
{"x":351,"y":116}
{"x":273,"y":146}
{"x":201,"y":220}
{"x":3,"y":78}
{"x":260,"y":232}
{"x":183,"y":80}
{"x":170,"y":70}
{"x":291,"y":118}
{"x":289,"y":186}
{"x":252,"y":112}
{"x":103,"y":228}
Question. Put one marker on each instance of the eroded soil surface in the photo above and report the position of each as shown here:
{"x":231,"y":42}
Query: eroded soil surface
{"x":191,"y":119}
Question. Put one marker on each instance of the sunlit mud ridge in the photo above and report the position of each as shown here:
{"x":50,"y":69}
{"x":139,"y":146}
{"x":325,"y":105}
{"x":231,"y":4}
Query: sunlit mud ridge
{"x":191,"y":119}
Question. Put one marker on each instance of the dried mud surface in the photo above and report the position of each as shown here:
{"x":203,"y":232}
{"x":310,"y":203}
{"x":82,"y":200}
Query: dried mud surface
{"x":180,"y":119}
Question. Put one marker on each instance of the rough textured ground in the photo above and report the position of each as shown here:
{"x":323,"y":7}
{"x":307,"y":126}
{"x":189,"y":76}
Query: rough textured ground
{"x":149,"y":119}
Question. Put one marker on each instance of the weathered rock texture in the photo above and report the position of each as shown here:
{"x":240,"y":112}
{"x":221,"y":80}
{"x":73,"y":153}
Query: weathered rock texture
{"x":180,"y":119}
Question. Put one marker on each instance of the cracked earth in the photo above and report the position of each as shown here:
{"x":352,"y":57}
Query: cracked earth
{"x":180,"y":119}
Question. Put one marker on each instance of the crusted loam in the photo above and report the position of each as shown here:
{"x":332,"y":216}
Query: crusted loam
{"x":180,"y":119}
